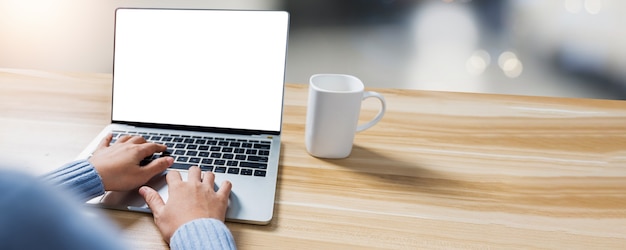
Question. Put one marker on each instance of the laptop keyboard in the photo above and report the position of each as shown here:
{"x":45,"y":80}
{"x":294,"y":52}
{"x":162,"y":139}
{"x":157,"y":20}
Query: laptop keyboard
{"x":214,"y":154}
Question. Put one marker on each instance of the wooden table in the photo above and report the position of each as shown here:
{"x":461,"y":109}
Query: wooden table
{"x":441,"y":170}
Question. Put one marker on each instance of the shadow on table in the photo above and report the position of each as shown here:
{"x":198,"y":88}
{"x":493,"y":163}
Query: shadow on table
{"x":393,"y":174}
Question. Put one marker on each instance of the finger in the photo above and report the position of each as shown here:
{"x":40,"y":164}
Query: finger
{"x":137,"y":139}
{"x":152,"y":198}
{"x":225,"y":188}
{"x":105,"y":141}
{"x":123,"y":138}
{"x":151,"y":148}
{"x":158,"y":166}
{"x":173,"y":177}
{"x":194,"y":174}
{"x":209,"y":179}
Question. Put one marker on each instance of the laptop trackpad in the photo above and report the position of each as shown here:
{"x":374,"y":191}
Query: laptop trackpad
{"x":132,"y":200}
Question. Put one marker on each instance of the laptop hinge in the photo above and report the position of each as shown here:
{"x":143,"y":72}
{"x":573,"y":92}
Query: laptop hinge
{"x":200,"y":129}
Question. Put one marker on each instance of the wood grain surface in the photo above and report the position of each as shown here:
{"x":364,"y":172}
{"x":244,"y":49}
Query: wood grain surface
{"x":442,"y":170}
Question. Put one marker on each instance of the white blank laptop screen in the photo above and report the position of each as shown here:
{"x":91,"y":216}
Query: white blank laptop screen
{"x":225,"y":68}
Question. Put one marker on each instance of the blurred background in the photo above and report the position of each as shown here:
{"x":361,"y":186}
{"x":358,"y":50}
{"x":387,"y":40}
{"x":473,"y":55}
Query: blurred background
{"x":564,"y":48}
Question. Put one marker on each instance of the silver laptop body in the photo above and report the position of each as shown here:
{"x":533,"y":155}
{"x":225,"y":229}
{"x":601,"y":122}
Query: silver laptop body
{"x":205,"y":75}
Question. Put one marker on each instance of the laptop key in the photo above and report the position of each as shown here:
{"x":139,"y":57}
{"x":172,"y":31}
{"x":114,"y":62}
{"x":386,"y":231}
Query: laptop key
{"x":207,"y":168}
{"x":178,"y":165}
{"x":220,"y":170}
{"x":261,"y":146}
{"x":245,"y":171}
{"x":257,"y":158}
{"x":258,"y":165}
{"x":233,"y":170}
{"x":260,"y":173}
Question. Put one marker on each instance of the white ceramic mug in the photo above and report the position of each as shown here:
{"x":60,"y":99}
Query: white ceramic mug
{"x":333,"y":112}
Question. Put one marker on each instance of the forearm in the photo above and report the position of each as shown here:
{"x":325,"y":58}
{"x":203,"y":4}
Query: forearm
{"x":203,"y":234}
{"x":79,"y":177}
{"x":36,"y":215}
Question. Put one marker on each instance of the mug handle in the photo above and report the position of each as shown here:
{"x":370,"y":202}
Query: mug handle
{"x":381,"y":112}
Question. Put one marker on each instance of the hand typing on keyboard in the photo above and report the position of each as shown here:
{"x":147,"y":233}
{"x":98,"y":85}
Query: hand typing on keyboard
{"x":130,"y":161}
{"x":118,"y":163}
{"x":188,"y":200}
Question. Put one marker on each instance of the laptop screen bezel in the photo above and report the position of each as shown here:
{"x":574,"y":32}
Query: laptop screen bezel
{"x":201,"y":128}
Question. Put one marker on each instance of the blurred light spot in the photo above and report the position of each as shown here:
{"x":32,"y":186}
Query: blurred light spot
{"x":449,"y":24}
{"x":573,"y":6}
{"x":478,"y":62}
{"x":504,"y":57}
{"x":444,"y":35}
{"x":593,"y":6}
{"x":510,"y":64}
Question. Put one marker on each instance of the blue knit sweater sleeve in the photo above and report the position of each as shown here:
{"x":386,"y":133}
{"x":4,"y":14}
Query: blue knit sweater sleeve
{"x":37,"y":215}
{"x":79,"y":177}
{"x":202,"y":234}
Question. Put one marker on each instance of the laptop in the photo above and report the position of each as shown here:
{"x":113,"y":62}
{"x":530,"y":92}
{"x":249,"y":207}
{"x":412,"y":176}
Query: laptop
{"x":209,"y":84}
